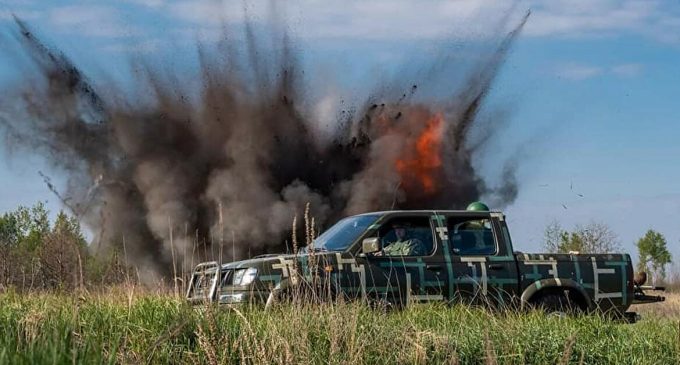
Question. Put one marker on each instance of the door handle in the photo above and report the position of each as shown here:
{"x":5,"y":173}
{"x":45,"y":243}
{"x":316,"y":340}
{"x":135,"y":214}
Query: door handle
{"x":496,"y":267}
{"x":433,"y":267}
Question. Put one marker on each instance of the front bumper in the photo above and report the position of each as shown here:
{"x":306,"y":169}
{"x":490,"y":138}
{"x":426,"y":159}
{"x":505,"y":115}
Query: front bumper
{"x":234,"y":297}
{"x":242,"y":297}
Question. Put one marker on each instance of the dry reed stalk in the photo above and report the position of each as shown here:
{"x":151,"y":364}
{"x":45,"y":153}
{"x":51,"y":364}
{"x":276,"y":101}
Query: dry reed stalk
{"x":294,"y":235}
{"x":221,"y":224}
{"x":185,"y":279}
{"x":127,"y":273}
{"x":336,"y":338}
{"x":489,"y":352}
{"x":353,"y":349}
{"x":261,"y":352}
{"x":174,"y":262}
{"x":81,"y":283}
{"x":212,"y":323}
{"x":568,"y":349}
{"x":207,"y":346}
{"x":294,"y":273}
{"x":243,"y":357}
{"x":313,"y":267}
{"x":421,"y":353}
{"x":194,"y":243}
{"x":205,"y":249}
{"x":288,"y":359}
{"x":31,"y":324}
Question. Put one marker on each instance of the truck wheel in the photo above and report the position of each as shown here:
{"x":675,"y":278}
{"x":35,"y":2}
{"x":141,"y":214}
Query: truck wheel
{"x":557,"y":305}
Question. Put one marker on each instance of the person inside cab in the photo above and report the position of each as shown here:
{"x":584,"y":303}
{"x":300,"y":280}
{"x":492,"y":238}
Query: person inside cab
{"x":473,"y":236}
{"x":401,"y":242}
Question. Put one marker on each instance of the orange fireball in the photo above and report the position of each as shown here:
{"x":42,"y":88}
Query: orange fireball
{"x":423,"y":160}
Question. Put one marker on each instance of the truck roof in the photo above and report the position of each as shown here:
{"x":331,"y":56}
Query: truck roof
{"x":444,"y":211}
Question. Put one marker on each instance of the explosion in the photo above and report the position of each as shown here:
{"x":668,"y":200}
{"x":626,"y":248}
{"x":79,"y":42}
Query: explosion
{"x":170,"y":170}
{"x":425,"y":162}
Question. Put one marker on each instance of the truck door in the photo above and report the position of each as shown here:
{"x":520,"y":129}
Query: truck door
{"x":408,"y":269}
{"x":484,"y":266}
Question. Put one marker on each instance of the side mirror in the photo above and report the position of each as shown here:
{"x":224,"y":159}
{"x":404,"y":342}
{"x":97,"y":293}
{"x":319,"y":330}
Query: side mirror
{"x":370,"y":245}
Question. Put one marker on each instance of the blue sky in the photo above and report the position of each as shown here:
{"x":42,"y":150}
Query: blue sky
{"x":592,"y":86}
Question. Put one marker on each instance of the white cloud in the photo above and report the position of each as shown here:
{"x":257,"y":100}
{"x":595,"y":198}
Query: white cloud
{"x":587,"y":17}
{"x":380,"y":19}
{"x":391,"y":20}
{"x":578,"y":72}
{"x":148,"y":3}
{"x":410,"y":19}
{"x":627,"y":69}
{"x":597,"y":18}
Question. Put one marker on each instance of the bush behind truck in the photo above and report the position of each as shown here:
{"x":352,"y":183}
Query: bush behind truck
{"x":395,"y":258}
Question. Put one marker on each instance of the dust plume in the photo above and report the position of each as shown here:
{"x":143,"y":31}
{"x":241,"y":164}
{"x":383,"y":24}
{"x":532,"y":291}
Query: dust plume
{"x":171,"y":170}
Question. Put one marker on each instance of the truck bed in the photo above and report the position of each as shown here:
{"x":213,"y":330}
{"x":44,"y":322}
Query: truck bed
{"x":605,"y":279}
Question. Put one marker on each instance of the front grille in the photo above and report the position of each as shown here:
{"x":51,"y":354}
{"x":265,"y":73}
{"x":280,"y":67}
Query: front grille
{"x":227,"y":278}
{"x":202,"y":285}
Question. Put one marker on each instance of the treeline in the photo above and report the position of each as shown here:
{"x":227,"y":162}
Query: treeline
{"x":595,"y":237}
{"x":38,"y":254}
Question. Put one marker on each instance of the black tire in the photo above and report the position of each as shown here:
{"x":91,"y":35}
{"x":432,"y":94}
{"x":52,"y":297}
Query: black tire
{"x":558,"y":304}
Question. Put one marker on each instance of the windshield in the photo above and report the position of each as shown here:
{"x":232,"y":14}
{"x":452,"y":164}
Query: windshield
{"x":344,"y":233}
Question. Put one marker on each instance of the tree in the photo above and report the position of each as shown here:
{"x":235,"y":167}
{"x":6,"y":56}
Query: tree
{"x":62,"y":254}
{"x":594,"y":237}
{"x":21,"y":232}
{"x":652,"y":251}
{"x":554,"y":237}
{"x":69,"y":226}
{"x":24,"y":227}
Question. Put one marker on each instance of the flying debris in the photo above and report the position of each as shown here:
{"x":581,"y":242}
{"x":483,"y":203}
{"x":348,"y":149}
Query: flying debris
{"x":571,"y":187}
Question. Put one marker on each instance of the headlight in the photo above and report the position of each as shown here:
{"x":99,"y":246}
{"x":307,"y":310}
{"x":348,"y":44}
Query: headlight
{"x":245,"y":276}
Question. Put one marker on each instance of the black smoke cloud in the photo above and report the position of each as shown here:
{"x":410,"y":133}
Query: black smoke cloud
{"x":171,"y":171}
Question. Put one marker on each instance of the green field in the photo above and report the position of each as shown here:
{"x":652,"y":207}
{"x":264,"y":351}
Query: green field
{"x":126,"y":327}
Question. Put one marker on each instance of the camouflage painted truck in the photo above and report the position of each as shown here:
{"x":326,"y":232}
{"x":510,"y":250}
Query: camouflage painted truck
{"x":402,"y":257}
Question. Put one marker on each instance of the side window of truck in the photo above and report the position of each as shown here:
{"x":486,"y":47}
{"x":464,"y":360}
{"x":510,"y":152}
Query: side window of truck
{"x":471,"y":236}
{"x":407,"y":237}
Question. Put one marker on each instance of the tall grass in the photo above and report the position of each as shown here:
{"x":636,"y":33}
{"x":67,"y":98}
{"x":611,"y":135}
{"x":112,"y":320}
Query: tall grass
{"x":120,"y":327}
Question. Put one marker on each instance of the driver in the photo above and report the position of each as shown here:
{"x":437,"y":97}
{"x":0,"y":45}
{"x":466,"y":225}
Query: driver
{"x":404,"y":245}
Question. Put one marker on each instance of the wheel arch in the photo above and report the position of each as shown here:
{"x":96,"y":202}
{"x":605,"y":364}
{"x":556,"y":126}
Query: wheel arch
{"x":544,"y":286}
{"x":300,"y":284}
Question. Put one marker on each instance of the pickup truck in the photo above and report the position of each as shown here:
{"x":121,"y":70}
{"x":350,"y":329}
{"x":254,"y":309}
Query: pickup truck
{"x":403,"y":257}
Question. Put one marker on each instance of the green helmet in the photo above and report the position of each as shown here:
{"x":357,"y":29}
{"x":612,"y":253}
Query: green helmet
{"x":478,"y":206}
